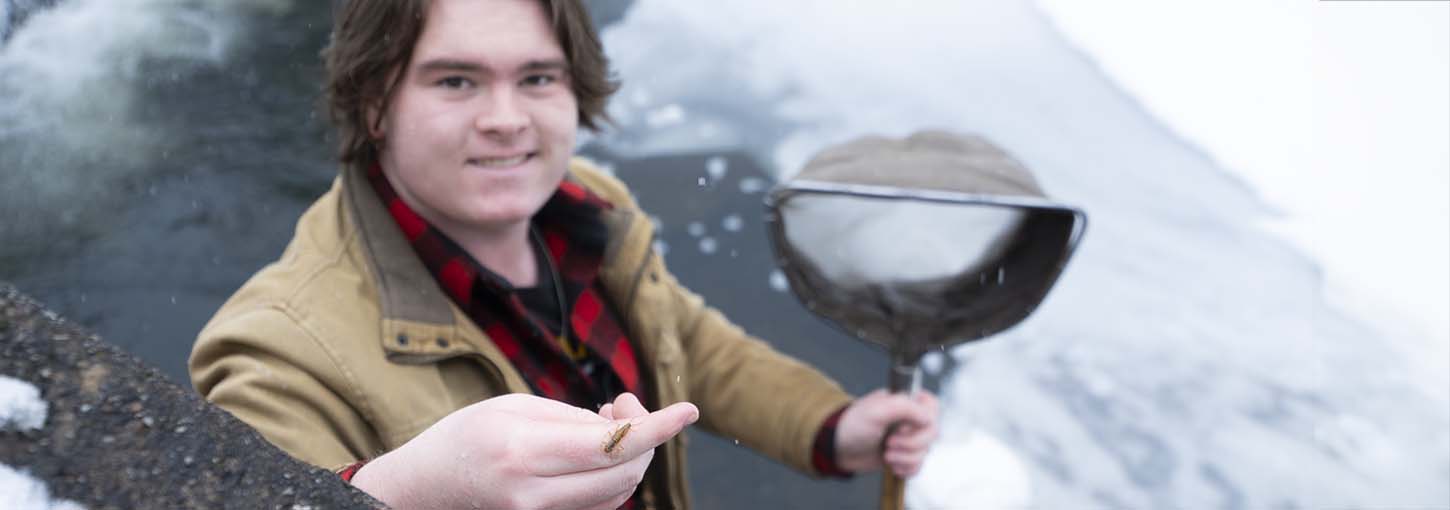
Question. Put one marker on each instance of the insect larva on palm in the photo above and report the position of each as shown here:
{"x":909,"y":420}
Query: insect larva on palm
{"x":611,"y":445}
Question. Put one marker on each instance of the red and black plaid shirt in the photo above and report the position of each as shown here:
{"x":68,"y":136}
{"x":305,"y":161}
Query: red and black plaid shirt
{"x":586,"y":361}
{"x":594,"y":361}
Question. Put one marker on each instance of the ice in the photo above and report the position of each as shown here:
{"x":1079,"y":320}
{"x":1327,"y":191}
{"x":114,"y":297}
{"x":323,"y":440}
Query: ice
{"x":70,"y":80}
{"x":1325,"y":70}
{"x":1227,"y":367}
{"x":21,"y":407}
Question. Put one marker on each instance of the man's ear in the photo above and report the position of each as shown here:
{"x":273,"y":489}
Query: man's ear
{"x":374,"y":120}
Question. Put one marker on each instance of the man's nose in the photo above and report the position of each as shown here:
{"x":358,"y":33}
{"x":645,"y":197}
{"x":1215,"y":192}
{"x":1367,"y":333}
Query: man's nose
{"x":503,"y":114}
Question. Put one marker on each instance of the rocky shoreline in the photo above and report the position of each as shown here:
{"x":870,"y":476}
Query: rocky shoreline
{"x":120,"y":435}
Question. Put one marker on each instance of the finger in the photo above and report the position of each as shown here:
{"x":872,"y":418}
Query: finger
{"x":904,"y":471}
{"x":617,"y":501}
{"x":904,"y":464}
{"x":628,"y":406}
{"x":535,"y":407}
{"x":594,"y":488}
{"x":607,"y":411}
{"x":904,"y":409}
{"x":556,"y":448}
{"x":903,"y":456}
{"x":918,"y":439}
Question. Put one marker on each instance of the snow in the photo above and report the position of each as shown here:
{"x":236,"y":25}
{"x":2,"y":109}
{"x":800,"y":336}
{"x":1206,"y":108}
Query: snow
{"x":695,"y":228}
{"x":1348,"y":135}
{"x":752,"y":185}
{"x":778,"y":281}
{"x":20,"y":491}
{"x":978,"y":471}
{"x":732,"y":223}
{"x":21,"y":407}
{"x":1194,"y":353}
{"x":71,"y":77}
{"x":931,"y":363}
{"x":716,"y":167}
{"x":857,"y":242}
{"x":665,"y":116}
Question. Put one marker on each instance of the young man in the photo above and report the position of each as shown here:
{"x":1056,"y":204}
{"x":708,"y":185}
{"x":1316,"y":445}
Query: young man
{"x":472,"y":318}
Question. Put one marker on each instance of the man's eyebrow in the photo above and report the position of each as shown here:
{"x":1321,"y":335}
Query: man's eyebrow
{"x":447,"y":64}
{"x":444,"y":64}
{"x":546,"y":65}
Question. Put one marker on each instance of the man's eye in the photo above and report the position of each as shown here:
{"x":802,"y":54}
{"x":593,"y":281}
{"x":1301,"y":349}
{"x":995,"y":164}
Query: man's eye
{"x":454,"y":82}
{"x":539,"y":80}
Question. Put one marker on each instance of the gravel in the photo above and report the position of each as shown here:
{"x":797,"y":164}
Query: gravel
{"x":121,"y":435}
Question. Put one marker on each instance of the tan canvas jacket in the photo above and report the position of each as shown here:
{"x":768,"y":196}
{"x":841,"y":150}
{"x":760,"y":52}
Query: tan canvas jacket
{"x":345,"y":348}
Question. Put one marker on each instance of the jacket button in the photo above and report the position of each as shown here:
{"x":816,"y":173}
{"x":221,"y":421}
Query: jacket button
{"x":442,"y":342}
{"x":654,"y":277}
{"x":402,"y":339}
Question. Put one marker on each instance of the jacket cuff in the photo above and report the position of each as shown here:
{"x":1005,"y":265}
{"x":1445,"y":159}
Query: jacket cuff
{"x":823,"y":453}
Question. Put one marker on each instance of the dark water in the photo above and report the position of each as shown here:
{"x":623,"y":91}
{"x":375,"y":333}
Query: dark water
{"x":138,"y":222}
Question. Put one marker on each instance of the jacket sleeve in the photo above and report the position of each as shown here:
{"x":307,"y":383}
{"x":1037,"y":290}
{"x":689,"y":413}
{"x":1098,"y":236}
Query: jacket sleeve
{"x":747,"y":390}
{"x":268,"y":370}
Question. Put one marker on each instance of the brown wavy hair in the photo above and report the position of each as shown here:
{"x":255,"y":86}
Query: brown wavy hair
{"x":373,"y":40}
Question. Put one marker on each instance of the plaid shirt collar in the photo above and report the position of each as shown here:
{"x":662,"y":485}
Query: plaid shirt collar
{"x":575,"y":237}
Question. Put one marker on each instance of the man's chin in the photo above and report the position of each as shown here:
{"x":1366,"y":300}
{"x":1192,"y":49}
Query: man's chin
{"x":496,"y":217}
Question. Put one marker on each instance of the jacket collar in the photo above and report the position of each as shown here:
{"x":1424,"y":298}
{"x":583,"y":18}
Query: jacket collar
{"x":420,"y":324}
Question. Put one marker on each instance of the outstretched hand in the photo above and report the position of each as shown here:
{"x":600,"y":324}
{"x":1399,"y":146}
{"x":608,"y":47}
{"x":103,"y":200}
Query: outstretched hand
{"x":867,"y":420}
{"x":523,"y":451}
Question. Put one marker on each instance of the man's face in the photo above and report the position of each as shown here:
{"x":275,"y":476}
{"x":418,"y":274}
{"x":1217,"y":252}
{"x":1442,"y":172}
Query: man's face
{"x":481,"y":128}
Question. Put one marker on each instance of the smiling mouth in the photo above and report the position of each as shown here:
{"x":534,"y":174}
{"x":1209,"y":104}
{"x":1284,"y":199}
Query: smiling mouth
{"x":503,"y":162}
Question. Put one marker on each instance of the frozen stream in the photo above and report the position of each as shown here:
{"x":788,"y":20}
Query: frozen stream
{"x":154,"y":153}
{"x":1187,"y":359}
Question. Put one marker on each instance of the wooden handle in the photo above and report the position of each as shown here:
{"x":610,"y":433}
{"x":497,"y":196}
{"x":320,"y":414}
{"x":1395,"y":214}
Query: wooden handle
{"x":899,"y":380}
{"x":893,"y":491}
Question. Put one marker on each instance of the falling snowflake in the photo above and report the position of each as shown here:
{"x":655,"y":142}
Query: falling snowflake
{"x":751,"y":185}
{"x":716,"y":167}
{"x":732,"y":223}
{"x":778,"y":282}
